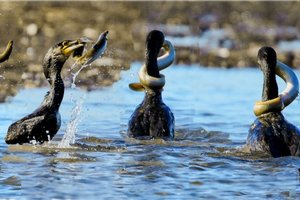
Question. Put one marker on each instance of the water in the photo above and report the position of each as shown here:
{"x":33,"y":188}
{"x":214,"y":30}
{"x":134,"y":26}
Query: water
{"x":210,"y":39}
{"x":70,"y":134}
{"x":288,"y":46}
{"x":213,"y":110}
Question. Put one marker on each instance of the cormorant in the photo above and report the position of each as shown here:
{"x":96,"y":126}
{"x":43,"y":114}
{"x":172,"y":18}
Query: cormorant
{"x":152,"y":118}
{"x":45,"y":121}
{"x":271,"y":133}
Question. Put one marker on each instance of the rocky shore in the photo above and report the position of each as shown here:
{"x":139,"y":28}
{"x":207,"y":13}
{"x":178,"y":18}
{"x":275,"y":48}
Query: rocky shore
{"x":212,"y":34}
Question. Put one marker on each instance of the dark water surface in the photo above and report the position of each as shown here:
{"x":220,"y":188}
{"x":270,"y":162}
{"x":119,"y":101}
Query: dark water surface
{"x":213,"y":111}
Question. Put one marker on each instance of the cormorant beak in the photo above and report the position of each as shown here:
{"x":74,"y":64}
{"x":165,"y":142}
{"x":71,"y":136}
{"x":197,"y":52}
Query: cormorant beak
{"x":166,"y":45}
{"x":70,"y":46}
{"x":137,"y":87}
{"x":5,"y":55}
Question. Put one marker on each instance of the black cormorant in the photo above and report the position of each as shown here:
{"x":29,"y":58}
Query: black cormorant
{"x":45,"y":121}
{"x":152,"y":118}
{"x":271,"y":133}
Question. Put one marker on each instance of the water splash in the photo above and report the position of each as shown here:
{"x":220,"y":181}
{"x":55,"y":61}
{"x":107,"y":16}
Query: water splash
{"x":69,"y":136}
{"x":73,"y":85}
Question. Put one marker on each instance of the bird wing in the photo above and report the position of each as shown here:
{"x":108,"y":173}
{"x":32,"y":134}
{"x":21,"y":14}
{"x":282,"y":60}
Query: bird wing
{"x":22,"y":130}
{"x":26,"y":125}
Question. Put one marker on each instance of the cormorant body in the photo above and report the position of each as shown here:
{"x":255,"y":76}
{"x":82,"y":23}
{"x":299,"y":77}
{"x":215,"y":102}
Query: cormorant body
{"x":271,"y":133}
{"x":152,"y":118}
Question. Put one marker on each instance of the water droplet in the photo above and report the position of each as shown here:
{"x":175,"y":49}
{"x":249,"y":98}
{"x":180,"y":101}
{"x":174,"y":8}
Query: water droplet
{"x":33,"y":141}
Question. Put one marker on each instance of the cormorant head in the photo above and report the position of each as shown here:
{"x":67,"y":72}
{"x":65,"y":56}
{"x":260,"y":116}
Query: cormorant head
{"x":154,"y":41}
{"x":58,"y":55}
{"x":64,"y":49}
{"x":267,"y":59}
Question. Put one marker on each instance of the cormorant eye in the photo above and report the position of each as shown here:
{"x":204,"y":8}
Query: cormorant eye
{"x":65,"y":43}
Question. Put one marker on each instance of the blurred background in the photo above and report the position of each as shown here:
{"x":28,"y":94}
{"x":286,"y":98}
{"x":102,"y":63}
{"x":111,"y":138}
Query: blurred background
{"x":211,"y":34}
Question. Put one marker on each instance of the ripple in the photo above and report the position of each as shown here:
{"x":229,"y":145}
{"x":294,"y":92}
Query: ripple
{"x":94,"y":140}
{"x":73,"y":158}
{"x":101,"y":148}
{"x":12,"y":180}
{"x":13,"y":159}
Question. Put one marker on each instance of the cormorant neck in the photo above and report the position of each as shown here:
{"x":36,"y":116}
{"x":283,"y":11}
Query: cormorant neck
{"x":153,"y":97}
{"x":54,"y":97}
{"x":270,"y":88}
{"x":151,"y":64}
{"x":57,"y":89}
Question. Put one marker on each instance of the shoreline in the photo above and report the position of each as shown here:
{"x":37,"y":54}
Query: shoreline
{"x":106,"y":71}
{"x":224,"y":34}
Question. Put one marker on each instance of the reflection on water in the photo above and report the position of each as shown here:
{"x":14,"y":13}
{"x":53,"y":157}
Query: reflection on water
{"x":213,"y":111}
